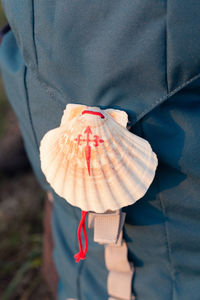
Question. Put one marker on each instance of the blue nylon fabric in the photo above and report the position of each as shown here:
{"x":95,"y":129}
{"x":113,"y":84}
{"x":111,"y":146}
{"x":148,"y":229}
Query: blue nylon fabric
{"x":170,"y":210}
{"x":139,"y":56}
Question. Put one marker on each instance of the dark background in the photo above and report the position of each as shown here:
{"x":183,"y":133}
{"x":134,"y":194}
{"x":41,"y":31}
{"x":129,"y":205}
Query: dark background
{"x":21,"y":210}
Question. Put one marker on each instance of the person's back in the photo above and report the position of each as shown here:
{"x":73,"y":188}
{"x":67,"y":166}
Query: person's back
{"x":139,"y":56}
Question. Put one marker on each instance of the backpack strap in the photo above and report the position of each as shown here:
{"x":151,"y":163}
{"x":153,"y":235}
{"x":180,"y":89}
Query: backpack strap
{"x":108,"y":231}
{"x":107,"y":226}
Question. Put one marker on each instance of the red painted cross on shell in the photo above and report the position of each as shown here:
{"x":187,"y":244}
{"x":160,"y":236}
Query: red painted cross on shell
{"x":96,"y":140}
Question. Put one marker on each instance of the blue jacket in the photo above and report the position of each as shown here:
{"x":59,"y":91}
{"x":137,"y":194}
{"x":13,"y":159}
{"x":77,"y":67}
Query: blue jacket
{"x":140,"y":56}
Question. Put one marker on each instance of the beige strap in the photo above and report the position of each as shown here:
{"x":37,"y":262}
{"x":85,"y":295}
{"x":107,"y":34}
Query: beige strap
{"x":108,"y":230}
{"x":116,"y":258}
{"x":114,"y":298}
{"x":107,"y":227}
{"x":120,"y":275}
{"x":92,"y":216}
{"x":119,"y":284}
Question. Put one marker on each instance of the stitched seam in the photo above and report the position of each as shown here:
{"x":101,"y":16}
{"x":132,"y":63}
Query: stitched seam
{"x":52,"y":92}
{"x":79,"y":279}
{"x":28,"y":107}
{"x":147,"y":109}
{"x":166,"y":232}
{"x":33,"y":31}
{"x":168,"y":244}
{"x":167,"y":240}
{"x":166,"y":49}
{"x":165,"y":97}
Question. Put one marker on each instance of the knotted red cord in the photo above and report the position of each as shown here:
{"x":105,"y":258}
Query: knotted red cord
{"x":82,"y":253}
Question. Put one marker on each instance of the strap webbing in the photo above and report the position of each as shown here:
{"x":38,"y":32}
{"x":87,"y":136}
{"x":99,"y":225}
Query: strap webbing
{"x":108,"y":231}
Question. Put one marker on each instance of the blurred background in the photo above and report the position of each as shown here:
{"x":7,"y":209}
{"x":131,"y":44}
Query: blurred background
{"x":21,"y":209}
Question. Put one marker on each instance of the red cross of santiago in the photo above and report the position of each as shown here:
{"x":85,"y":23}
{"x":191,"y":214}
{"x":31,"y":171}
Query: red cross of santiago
{"x":96,"y":139}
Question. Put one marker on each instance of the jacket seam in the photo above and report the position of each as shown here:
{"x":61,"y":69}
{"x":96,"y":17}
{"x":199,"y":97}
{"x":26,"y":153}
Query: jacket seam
{"x":53,"y":92}
{"x":166,"y":48}
{"x":168,"y":244}
{"x":166,"y":232}
{"x":164,"y":98}
{"x":28,"y":107}
{"x":33,"y":32}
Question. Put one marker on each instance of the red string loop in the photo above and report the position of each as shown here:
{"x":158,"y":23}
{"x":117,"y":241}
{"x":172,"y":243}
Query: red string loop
{"x":93,"y":113}
{"x":81,"y":255}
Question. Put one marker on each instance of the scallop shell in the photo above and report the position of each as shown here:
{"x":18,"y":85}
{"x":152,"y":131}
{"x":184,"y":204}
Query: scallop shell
{"x":94,"y":162}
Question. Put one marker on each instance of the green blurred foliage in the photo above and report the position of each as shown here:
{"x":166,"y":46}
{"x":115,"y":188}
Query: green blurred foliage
{"x":20,"y":244}
{"x":2,"y":16}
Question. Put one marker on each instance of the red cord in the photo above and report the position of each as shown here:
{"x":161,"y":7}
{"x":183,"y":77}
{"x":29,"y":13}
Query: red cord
{"x":82,"y":253}
{"x":93,"y":113}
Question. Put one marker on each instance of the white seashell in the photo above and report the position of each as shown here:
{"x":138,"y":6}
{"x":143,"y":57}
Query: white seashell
{"x":94,"y":162}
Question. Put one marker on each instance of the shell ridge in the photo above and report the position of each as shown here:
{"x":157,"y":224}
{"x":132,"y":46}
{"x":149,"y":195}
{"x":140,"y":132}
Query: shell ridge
{"x":85,"y":191}
{"x":149,"y":179}
{"x":44,"y":145}
{"x":115,"y":122}
{"x":126,"y":186}
{"x":148,"y":156}
{"x":139,"y":182}
{"x":113,"y":192}
{"x":136,"y":151}
{"x":118,"y":144}
{"x":105,"y":181}
{"x":140,"y":161}
{"x":131,"y":136}
{"x":96,"y":185}
{"x":50,"y":154}
{"x":149,"y":171}
{"x":74,"y":184}
{"x":128,"y":136}
{"x":51,"y":172}
{"x":64,"y":179}
{"x":58,"y":161}
{"x":140,"y":149}
{"x":70,"y":186}
{"x":118,"y":179}
{"x":46,"y":151}
{"x":145,"y":169}
{"x":139,"y":144}
{"x":56,"y":172}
